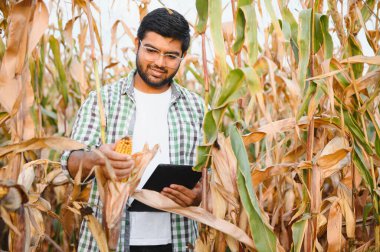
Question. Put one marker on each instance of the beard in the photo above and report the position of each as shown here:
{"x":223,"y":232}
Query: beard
{"x":145,"y":77}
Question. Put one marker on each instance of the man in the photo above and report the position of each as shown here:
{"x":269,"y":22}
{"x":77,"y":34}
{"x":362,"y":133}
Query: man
{"x":152,"y":108}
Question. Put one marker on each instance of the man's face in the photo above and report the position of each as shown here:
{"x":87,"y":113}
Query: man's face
{"x":158,"y":59}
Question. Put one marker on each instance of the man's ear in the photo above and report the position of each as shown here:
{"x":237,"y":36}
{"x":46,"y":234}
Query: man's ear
{"x":184,"y":54}
{"x":136,"y":44}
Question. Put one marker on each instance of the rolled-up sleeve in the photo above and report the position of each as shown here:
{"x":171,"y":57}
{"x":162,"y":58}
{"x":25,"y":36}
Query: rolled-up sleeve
{"x":86,"y":128}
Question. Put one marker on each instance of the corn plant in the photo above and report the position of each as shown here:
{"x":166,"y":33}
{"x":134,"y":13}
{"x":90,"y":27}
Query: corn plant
{"x":291,"y":151}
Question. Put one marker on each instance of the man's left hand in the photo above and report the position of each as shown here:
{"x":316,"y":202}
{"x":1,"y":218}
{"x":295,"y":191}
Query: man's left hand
{"x":184,"y":196}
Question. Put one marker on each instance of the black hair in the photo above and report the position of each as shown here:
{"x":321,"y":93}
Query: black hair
{"x":168,"y":23}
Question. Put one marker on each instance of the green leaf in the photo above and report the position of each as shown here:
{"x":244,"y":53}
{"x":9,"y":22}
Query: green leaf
{"x":367,"y":209}
{"x":62,"y":82}
{"x":357,"y":157}
{"x":304,"y":45}
{"x":3,"y":117}
{"x":244,"y":2}
{"x":239,"y":30}
{"x":203,"y":151}
{"x":377,"y":145}
{"x":252,"y":80}
{"x":272,"y":14}
{"x":251,"y":32}
{"x":356,"y":131}
{"x":210,"y":127}
{"x":215,"y":14}
{"x":366,"y":9}
{"x":263,"y":235}
{"x":306,"y":101}
{"x":246,"y":31}
{"x":298,"y":230}
{"x":289,"y":18}
{"x":231,"y":89}
{"x":318,"y":36}
{"x":327,"y":39}
{"x":202,"y":9}
{"x":354,"y":48}
{"x":340,"y":77}
{"x":197,"y":76}
{"x":286,"y":30}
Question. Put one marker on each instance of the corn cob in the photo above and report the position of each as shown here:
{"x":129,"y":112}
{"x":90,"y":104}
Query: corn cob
{"x":124,"y":146}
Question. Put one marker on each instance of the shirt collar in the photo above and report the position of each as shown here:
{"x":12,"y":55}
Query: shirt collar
{"x":127,"y":87}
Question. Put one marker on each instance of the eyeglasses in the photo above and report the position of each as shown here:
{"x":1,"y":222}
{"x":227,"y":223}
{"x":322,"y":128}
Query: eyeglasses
{"x":171,"y":60}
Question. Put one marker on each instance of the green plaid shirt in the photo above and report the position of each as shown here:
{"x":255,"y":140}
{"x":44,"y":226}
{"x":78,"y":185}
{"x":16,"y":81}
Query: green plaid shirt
{"x":185,"y":120}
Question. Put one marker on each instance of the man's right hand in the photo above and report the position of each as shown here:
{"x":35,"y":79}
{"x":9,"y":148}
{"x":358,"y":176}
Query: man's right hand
{"x":121,"y":163}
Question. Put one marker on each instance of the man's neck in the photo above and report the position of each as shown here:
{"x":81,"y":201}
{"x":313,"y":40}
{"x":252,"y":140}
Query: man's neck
{"x":142,"y":86}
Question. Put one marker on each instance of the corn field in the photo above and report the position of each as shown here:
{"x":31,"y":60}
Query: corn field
{"x":291,"y":153}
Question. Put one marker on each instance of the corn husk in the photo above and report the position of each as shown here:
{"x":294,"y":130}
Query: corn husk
{"x":116,"y":194}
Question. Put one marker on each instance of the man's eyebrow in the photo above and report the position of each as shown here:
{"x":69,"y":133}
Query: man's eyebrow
{"x":168,"y":52}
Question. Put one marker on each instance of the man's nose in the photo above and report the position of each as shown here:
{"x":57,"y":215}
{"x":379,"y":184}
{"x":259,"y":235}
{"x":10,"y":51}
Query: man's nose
{"x":160,"y":61}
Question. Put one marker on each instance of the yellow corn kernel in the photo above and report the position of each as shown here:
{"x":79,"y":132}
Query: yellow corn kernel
{"x":124,"y":146}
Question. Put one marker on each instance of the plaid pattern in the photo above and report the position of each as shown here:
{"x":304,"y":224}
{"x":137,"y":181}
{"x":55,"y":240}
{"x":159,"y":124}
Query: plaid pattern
{"x":185,"y":120}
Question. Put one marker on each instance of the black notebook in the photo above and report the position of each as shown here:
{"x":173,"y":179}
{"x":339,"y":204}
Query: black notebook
{"x":163,"y":176}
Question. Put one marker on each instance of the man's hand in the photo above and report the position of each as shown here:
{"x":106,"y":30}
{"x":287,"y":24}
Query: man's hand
{"x":122,"y":163}
{"x":184,"y":196}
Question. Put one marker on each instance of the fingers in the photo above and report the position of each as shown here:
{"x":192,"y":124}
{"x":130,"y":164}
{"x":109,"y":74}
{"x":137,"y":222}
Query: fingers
{"x":175,"y":199}
{"x":122,"y":165}
{"x":180,"y":194}
{"x":111,"y":154}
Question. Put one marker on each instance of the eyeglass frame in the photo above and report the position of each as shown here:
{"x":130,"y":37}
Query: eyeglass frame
{"x":162,"y":54}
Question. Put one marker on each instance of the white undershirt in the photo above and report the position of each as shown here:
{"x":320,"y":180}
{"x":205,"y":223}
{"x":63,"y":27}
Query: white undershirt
{"x":151,"y":127}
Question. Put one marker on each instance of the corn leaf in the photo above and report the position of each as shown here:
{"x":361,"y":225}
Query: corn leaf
{"x":232,"y":88}
{"x":210,"y":127}
{"x":357,"y":132}
{"x":377,"y":145}
{"x":158,"y":201}
{"x":304,"y":46}
{"x":240,"y":34}
{"x":58,"y":143}
{"x":263,"y":235}
{"x":203,"y":153}
{"x":358,"y":158}
{"x":318,"y":36}
{"x":367,"y":9}
{"x":354,"y":48}
{"x":62,"y":81}
{"x":215,"y":14}
{"x":272,"y":14}
{"x":327,"y":39}
{"x":252,"y":80}
{"x":298,"y":230}
{"x":202,"y":10}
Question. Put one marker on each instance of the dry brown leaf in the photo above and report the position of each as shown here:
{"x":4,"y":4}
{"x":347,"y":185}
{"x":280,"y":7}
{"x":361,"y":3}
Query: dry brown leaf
{"x":158,"y":201}
{"x":372,"y":60}
{"x":78,"y":74}
{"x":334,"y":228}
{"x":97,"y":231}
{"x":14,"y":57}
{"x":253,"y":137}
{"x":258,"y":176}
{"x":333,"y":154}
{"x":39,"y":25}
{"x":58,"y":143}
{"x":7,"y":219}
{"x":371,"y":78}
